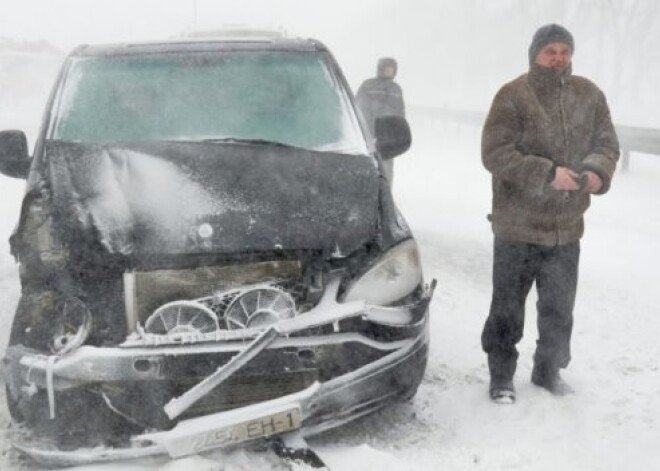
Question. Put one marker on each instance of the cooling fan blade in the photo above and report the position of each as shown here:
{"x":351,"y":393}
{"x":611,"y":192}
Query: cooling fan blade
{"x":182,"y":317}
{"x":259,"y":307}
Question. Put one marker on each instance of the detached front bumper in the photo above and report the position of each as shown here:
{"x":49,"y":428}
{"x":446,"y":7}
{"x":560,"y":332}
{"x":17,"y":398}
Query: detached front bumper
{"x":362,"y":358}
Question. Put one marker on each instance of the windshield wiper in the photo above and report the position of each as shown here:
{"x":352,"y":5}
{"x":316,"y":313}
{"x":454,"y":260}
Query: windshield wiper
{"x":238,"y":140}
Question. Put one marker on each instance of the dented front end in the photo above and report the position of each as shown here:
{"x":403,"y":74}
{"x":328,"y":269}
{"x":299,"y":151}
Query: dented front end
{"x":128,"y":342}
{"x":232,"y":356}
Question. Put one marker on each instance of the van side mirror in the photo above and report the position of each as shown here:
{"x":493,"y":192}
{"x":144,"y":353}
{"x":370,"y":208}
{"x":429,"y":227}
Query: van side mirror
{"x":14,"y":158}
{"x":392,"y":136}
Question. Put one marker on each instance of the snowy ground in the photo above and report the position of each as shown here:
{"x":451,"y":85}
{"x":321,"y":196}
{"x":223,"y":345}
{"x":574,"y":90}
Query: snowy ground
{"x":612,"y":423}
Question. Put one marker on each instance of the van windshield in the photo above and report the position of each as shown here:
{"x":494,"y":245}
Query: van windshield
{"x":284,"y":97}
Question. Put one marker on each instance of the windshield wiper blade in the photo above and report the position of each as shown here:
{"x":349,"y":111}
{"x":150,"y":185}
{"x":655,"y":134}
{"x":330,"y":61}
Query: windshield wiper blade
{"x":238,"y":140}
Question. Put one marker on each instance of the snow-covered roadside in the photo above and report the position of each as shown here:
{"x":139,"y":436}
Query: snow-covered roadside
{"x":612,"y":421}
{"x":609,"y":424}
{"x":12,"y":190}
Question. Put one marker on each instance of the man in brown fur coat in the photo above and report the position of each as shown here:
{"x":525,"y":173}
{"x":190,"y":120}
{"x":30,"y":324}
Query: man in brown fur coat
{"x":549,"y":144}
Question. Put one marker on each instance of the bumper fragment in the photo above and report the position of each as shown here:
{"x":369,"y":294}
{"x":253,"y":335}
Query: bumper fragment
{"x":322,"y":406}
{"x":395,"y":373}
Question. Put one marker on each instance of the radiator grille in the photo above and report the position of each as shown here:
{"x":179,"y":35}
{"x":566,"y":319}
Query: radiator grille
{"x":246,"y":390}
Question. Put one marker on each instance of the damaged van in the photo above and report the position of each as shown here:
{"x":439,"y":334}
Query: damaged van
{"x":209,"y":254}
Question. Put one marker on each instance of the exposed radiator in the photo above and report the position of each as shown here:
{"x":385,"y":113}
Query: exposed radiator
{"x":146,"y":291}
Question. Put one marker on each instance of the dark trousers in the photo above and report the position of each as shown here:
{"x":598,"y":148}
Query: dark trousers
{"x":516,"y":266}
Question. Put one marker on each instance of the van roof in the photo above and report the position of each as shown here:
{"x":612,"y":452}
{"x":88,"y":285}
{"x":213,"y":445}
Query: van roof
{"x":206,"y":41}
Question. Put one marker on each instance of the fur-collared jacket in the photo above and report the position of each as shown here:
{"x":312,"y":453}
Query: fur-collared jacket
{"x":537,"y":122}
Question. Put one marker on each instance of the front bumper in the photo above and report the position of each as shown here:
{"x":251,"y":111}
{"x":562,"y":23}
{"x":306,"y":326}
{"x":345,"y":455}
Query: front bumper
{"x":343,"y":388}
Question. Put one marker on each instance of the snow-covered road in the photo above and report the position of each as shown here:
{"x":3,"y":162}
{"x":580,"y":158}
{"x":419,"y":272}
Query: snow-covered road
{"x":612,"y":423}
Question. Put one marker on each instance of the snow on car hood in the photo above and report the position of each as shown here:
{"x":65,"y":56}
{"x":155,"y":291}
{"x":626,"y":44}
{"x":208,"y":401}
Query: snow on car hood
{"x":184,"y":198}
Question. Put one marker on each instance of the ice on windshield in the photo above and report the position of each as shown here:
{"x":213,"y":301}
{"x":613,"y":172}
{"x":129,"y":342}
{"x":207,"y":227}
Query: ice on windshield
{"x":285,"y":97}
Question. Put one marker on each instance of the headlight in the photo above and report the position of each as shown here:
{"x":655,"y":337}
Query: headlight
{"x":396,"y":274}
{"x":71,"y":326}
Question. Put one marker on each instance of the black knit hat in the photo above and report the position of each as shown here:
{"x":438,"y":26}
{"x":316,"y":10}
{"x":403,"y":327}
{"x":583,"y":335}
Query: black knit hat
{"x":547,"y":34}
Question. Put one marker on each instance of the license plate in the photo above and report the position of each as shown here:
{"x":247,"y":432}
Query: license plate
{"x":262,"y":427}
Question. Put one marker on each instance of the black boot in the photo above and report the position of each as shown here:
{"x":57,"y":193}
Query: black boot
{"x":549,"y":379}
{"x":502,"y":367}
{"x":502,"y":390}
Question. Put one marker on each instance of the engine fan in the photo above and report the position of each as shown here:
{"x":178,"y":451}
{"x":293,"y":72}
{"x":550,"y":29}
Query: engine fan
{"x":259,"y":307}
{"x":182,"y":317}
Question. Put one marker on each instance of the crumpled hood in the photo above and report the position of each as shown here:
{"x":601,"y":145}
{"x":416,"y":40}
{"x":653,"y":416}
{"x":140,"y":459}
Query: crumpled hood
{"x":191,"y":198}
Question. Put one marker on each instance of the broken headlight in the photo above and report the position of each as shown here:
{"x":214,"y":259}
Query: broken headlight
{"x":393,"y":276}
{"x":71,"y":326}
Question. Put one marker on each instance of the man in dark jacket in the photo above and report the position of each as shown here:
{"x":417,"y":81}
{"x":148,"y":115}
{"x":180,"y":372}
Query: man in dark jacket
{"x":549,"y":143}
{"x":382,"y":96}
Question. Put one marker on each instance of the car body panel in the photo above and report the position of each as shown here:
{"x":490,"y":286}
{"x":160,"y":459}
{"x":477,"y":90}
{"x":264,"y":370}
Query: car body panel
{"x":151,"y":198}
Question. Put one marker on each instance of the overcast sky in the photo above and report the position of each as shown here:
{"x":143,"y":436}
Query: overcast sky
{"x":453,"y":53}
{"x":70,"y":22}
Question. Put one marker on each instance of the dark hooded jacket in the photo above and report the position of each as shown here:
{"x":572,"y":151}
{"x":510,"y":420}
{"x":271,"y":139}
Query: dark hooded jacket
{"x":380,"y":96}
{"x":537,"y":122}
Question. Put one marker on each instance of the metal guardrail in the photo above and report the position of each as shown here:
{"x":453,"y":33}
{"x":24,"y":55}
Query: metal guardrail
{"x":631,"y":138}
{"x":634,"y":139}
